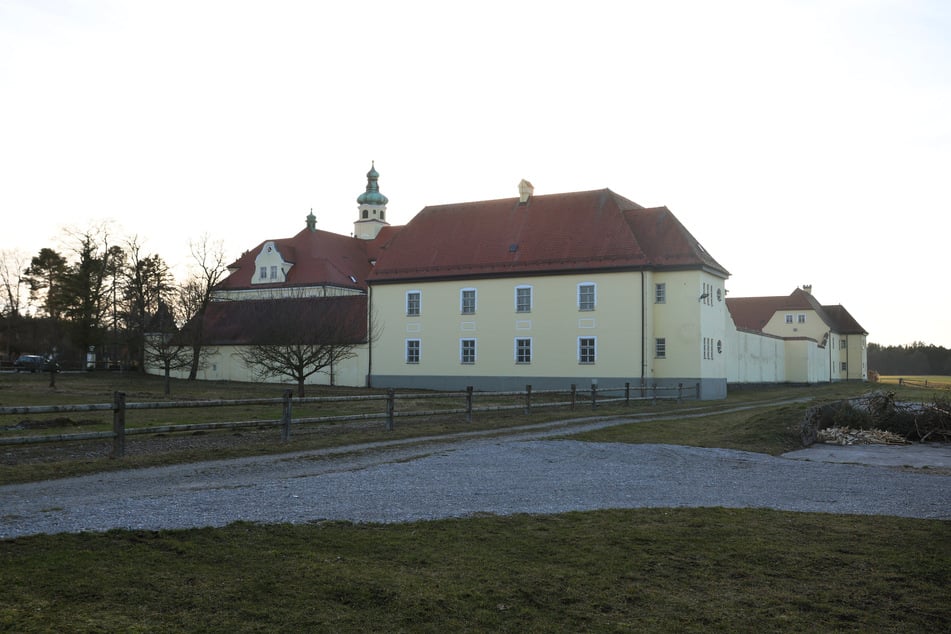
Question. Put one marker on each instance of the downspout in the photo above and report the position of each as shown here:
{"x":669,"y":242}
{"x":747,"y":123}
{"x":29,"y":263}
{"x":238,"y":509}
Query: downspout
{"x":369,"y":334}
{"x":643,"y":343}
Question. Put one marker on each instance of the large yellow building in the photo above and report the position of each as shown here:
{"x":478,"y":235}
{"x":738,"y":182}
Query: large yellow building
{"x":549,"y":290}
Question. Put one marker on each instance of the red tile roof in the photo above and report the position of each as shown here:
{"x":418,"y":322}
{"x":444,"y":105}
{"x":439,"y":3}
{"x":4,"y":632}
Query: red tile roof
{"x":341,"y":319}
{"x":753,"y":313}
{"x":844,"y":323}
{"x":579,"y":231}
{"x":319,"y":258}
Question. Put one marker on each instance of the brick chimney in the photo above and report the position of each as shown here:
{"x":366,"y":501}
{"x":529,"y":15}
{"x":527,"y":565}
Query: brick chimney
{"x":525,"y":191}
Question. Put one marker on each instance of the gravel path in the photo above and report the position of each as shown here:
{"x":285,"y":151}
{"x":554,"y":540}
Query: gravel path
{"x":531,"y":472}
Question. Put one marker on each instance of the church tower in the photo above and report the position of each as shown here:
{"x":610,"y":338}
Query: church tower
{"x":372,"y":208}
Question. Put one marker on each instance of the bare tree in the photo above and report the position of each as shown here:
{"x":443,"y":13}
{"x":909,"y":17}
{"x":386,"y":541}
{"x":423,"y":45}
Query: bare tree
{"x":147,"y":286}
{"x":13,"y":265}
{"x":300,"y":337}
{"x":208,"y":269}
{"x":165,"y":344}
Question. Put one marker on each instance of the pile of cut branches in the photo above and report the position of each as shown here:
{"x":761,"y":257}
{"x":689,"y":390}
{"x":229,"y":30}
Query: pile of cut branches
{"x":878,"y":411}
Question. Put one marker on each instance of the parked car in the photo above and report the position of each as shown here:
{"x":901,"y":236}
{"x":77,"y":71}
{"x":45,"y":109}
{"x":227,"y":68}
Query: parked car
{"x":35,"y":363}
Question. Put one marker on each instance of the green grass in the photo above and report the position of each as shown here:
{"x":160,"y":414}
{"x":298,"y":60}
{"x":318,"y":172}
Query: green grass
{"x":767,"y":429}
{"x":933,"y":381}
{"x":676,"y":570}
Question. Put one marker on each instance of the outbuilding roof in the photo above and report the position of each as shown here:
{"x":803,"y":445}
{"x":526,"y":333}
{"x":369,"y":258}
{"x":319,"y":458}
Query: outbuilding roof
{"x":556,"y":233}
{"x":753,"y":313}
{"x":303,"y":320}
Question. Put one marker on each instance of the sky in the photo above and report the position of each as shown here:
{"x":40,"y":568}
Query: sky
{"x":802,"y":142}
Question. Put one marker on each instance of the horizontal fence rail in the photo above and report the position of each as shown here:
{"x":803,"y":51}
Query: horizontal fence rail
{"x":528,"y":398}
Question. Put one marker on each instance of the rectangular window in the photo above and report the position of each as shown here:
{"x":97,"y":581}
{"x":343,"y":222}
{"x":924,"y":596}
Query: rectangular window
{"x":467,"y":351}
{"x":660,"y":348}
{"x":587,"y":350}
{"x":412,"y":351}
{"x":586,"y":297}
{"x":273,"y":272}
{"x":523,"y":299}
{"x":845,"y":366}
{"x":789,"y":319}
{"x":413,"y":301}
{"x":523,"y":350}
{"x":263,"y":273}
{"x":801,"y":318}
{"x":844,"y":343}
{"x":467,"y":301}
{"x":660,"y":293}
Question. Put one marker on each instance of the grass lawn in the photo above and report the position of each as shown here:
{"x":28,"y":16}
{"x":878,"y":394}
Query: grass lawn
{"x":928,"y":381}
{"x":675,"y":570}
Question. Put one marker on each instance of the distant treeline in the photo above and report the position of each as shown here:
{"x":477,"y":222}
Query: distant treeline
{"x":916,"y":359}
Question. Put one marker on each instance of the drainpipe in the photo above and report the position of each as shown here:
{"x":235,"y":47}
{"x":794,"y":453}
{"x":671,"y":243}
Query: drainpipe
{"x":643,"y":343}
{"x":369,"y":334}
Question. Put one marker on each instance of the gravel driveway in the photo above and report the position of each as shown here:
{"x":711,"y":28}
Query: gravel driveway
{"x":531,"y":472}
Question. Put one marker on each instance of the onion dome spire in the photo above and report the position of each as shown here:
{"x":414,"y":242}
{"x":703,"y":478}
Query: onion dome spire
{"x":372,"y":195}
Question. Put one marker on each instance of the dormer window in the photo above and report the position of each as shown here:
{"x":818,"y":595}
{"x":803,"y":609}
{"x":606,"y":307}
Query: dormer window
{"x":270,"y":265}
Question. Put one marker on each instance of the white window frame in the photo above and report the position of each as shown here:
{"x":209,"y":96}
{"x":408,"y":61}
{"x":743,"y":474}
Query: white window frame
{"x":418,"y":349}
{"x":523,"y":361}
{"x":594,"y":350}
{"x":263,"y":275}
{"x":789,"y":318}
{"x":660,"y":348}
{"x":462,"y":301}
{"x":419,"y":303}
{"x":273,"y":271}
{"x":531,"y":298}
{"x":462,"y":351}
{"x":594,"y":296}
{"x":801,"y":318}
{"x":660,"y":293}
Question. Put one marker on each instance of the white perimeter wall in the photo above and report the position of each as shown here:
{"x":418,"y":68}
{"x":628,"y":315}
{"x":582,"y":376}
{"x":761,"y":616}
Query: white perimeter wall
{"x":224,"y":365}
{"x":754,"y":358}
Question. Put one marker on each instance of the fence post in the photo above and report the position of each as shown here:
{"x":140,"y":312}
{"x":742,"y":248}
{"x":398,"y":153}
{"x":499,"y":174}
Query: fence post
{"x":698,"y":391}
{"x":286,"y":416}
{"x":528,"y":399}
{"x":469,"y":404}
{"x":594,"y":396}
{"x":574,"y":395}
{"x":643,"y":388}
{"x":390,"y":408}
{"x":118,"y":424}
{"x":627,"y":393}
{"x":680,"y":392}
{"x":654,"y":400}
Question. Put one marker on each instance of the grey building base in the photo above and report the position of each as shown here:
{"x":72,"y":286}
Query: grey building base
{"x":710,"y":389}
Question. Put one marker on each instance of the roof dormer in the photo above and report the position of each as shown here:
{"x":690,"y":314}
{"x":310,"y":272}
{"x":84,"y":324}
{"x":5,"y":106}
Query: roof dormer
{"x":270,"y":267}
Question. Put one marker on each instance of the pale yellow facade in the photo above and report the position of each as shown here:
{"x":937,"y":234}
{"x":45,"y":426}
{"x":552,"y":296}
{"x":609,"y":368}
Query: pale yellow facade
{"x":839,"y":357}
{"x":617,"y":316}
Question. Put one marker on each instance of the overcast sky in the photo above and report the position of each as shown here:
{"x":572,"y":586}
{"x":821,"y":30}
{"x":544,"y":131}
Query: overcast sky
{"x":802,"y":142}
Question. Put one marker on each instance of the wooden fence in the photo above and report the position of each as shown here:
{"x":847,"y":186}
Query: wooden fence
{"x":528,"y":397}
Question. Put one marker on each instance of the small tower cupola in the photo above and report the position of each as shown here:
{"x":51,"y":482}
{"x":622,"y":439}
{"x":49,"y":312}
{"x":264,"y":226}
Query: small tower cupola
{"x":311,"y":221}
{"x":371,"y":208}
